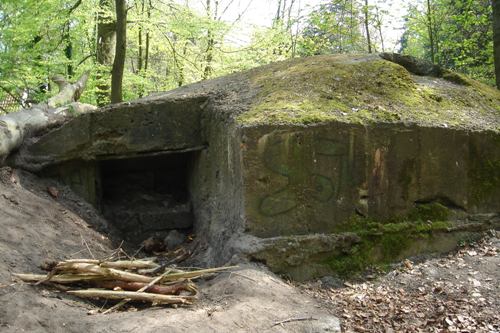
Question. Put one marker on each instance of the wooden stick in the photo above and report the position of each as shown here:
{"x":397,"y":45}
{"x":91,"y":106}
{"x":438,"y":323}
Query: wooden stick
{"x":105,"y":272}
{"x":125,"y":301}
{"x":124,"y":264}
{"x":289,"y":320}
{"x":195,"y":274}
{"x":140,"y":287}
{"x":130,"y":264}
{"x":61,"y":278}
{"x":145,"y":297}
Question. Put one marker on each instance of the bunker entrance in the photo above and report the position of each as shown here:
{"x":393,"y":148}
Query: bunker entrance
{"x":147,"y":196}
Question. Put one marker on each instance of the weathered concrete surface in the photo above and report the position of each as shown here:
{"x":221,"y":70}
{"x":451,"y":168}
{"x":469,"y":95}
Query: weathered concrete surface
{"x":294,"y":153}
{"x":301,"y":180}
{"x":127,"y":130}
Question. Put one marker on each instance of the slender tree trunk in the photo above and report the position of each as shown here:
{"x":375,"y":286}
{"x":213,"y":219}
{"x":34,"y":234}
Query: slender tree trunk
{"x":367,"y":27}
{"x":278,"y":12}
{"x":68,"y":50}
{"x":430,"y":31}
{"x":496,"y":39}
{"x":105,"y":50}
{"x":351,"y":29}
{"x":121,"y":45}
{"x":289,"y":15}
{"x":210,"y":42}
{"x":180,"y":67}
{"x":146,"y":52}
{"x":139,"y":55}
{"x":379,"y":26}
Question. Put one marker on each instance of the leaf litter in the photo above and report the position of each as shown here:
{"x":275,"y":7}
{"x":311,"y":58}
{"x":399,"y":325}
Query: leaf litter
{"x":456,"y":293}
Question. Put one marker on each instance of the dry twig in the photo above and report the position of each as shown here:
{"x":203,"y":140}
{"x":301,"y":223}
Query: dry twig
{"x":289,"y":320}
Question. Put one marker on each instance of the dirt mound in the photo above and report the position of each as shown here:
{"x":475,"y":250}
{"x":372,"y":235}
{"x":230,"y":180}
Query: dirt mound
{"x":42,"y":219}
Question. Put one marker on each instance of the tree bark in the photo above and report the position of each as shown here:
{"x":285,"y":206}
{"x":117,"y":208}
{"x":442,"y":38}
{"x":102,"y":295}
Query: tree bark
{"x":496,"y":39}
{"x":430,"y":31}
{"x":16,"y":126}
{"x":121,"y":45}
{"x":105,"y":49}
{"x":367,"y":27}
{"x":210,"y":42}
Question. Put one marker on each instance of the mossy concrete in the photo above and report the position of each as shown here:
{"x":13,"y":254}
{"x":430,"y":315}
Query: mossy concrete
{"x":289,"y":153}
{"x":365,"y":90}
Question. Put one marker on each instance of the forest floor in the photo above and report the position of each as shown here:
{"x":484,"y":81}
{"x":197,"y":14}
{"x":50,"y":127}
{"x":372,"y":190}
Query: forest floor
{"x":42,"y":219}
{"x":456,"y":293}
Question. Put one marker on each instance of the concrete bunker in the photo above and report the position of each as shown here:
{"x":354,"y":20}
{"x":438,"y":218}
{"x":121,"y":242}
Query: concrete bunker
{"x":314,"y":166}
{"x":144,"y":196}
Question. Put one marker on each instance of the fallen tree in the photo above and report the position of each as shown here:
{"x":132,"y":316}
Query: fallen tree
{"x":16,"y":126}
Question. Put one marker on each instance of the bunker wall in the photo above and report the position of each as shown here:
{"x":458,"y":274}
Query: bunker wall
{"x":301,"y":180}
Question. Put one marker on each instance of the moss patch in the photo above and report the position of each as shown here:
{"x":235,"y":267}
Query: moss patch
{"x":485,"y":178}
{"x":433,"y":211}
{"x":383,"y":242}
{"x":363,"y":90}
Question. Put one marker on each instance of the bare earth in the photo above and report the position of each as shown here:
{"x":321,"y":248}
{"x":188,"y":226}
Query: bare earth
{"x":34,"y":226}
{"x":459,"y":293}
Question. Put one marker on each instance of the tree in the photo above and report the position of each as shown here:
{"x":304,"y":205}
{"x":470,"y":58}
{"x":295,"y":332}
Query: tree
{"x":334,"y":27}
{"x":496,"y":39}
{"x":378,"y":21}
{"x":367,"y":26}
{"x":121,"y":46}
{"x":430,"y":30}
{"x":17,"y":126}
{"x":456,"y":34}
{"x":105,"y":49}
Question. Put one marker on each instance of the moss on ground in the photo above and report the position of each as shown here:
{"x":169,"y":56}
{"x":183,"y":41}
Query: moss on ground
{"x":339,"y":88}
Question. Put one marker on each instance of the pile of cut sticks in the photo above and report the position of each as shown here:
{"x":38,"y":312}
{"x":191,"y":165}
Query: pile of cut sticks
{"x":124,"y":280}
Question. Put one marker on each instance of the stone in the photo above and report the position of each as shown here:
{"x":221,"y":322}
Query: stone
{"x":174,"y":239}
{"x":331,"y":282}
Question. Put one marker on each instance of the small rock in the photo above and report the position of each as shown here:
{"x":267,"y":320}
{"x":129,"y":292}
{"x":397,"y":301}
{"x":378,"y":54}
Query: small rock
{"x":331,"y":282}
{"x":54,"y":192}
{"x":174,"y":239}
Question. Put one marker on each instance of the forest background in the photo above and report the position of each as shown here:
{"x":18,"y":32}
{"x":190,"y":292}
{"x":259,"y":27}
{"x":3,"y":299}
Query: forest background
{"x":135,"y":47}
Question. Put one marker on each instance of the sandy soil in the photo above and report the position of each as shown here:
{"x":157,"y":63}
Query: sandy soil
{"x":42,"y":219}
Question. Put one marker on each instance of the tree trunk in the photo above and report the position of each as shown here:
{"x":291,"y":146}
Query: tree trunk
{"x":379,"y":26}
{"x":430,"y":31}
{"x":121,"y":44}
{"x":16,"y":126}
{"x":68,"y":50}
{"x":105,"y":50}
{"x":210,"y":43}
{"x":367,"y":27}
{"x":496,"y":39}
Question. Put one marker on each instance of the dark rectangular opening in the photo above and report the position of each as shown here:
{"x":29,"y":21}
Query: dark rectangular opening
{"x":147,"y":196}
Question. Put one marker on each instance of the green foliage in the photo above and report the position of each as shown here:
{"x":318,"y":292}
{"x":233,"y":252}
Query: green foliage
{"x":170,"y":44}
{"x":334,"y":27}
{"x":462,"y":31}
